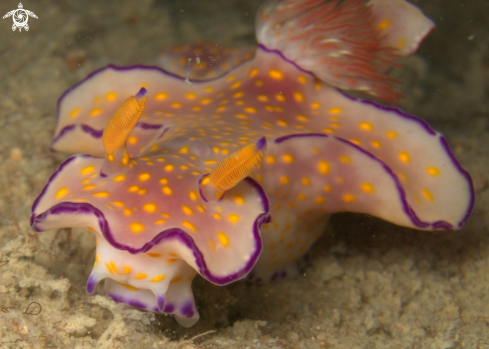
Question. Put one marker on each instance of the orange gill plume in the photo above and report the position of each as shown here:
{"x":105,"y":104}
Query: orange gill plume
{"x":338,"y":40}
{"x":233,"y":169}
{"x":118,"y":129}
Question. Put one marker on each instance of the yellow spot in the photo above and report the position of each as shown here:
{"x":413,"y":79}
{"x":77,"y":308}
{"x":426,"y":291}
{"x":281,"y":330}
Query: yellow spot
{"x":111,"y":96}
{"x":284,"y":180}
{"x":433,"y":171}
{"x":287,"y":158}
{"x":189,"y":226}
{"x":200,"y":208}
{"x":95,"y":112}
{"x":384,"y":24}
{"x":345,"y":159}
{"x":176,"y":105}
{"x":154,"y":255}
{"x":175,"y":280}
{"x":223,"y":238}
{"x":306,"y":181}
{"x":391,"y":134}
{"x":192,"y":196}
{"x":164,"y":181}
{"x":282,"y":123}
{"x":127,"y":269}
{"x":127,"y":212}
{"x":118,"y":203}
{"x":159,"y":221}
{"x":169,"y":168}
{"x":140,"y":276}
{"x":129,"y":287}
{"x":298,"y":97}
{"x":208,"y":89}
{"x":167,"y":190}
{"x":183,"y":150}
{"x":250,"y":110}
{"x":319,"y":200}
{"x":119,"y":178}
{"x":132,"y":140}
{"x":191,"y":95}
{"x":323,"y":167}
{"x":367,"y":187}
{"x":239,"y":199}
{"x":253,"y":72}
{"x":236,"y":85}
{"x":74,"y":112}
{"x":276,"y":74}
{"x":355,"y":141}
{"x":302,"y":79}
{"x":187,"y":210}
{"x":404,"y":157}
{"x":149,"y":207}
{"x":133,"y":188}
{"x":233,"y":218}
{"x":327,"y":188}
{"x":217,"y":215}
{"x":348,"y":198}
{"x":401,"y":43}
{"x":301,"y":197}
{"x":206,"y":101}
{"x":280,"y":97}
{"x":262,"y":98}
{"x":270,"y":159}
{"x":328,"y":130}
{"x":376,"y":144}
{"x":144,"y":177}
{"x":302,"y":118}
{"x":136,"y":227}
{"x":88,"y":187}
{"x":335,"y":111}
{"x":427,"y":195}
{"x":158,"y":278}
{"x":315,"y":105}
{"x":161,"y":96}
{"x":366,"y":126}
{"x":101,"y":194}
{"x":87,"y":170}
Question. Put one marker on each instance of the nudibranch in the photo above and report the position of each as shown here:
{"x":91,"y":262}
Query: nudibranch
{"x":234,"y":177}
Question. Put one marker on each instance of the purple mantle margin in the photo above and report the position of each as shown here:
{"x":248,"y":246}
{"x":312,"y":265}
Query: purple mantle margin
{"x":408,"y":210}
{"x":168,"y":234}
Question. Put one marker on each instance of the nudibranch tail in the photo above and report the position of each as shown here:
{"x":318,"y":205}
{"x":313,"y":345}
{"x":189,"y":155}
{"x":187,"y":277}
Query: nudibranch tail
{"x":118,"y":129}
{"x":233,"y":169}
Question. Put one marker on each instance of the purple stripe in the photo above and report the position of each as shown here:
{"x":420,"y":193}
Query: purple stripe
{"x":97,"y":134}
{"x":61,"y":134}
{"x":284,"y":138}
{"x":187,"y":309}
{"x":464,"y":173}
{"x":425,"y":125}
{"x":168,"y":234}
{"x":146,"y":126}
{"x":51,"y":179}
{"x":408,"y":210}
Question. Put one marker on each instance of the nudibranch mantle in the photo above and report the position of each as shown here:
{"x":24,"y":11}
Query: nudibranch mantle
{"x":311,"y":151}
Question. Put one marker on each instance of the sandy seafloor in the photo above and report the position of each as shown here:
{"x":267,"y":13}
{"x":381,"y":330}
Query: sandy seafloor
{"x":369,"y":284}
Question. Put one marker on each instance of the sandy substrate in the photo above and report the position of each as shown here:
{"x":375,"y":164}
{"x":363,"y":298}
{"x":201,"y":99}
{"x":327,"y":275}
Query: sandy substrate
{"x":369,"y":284}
